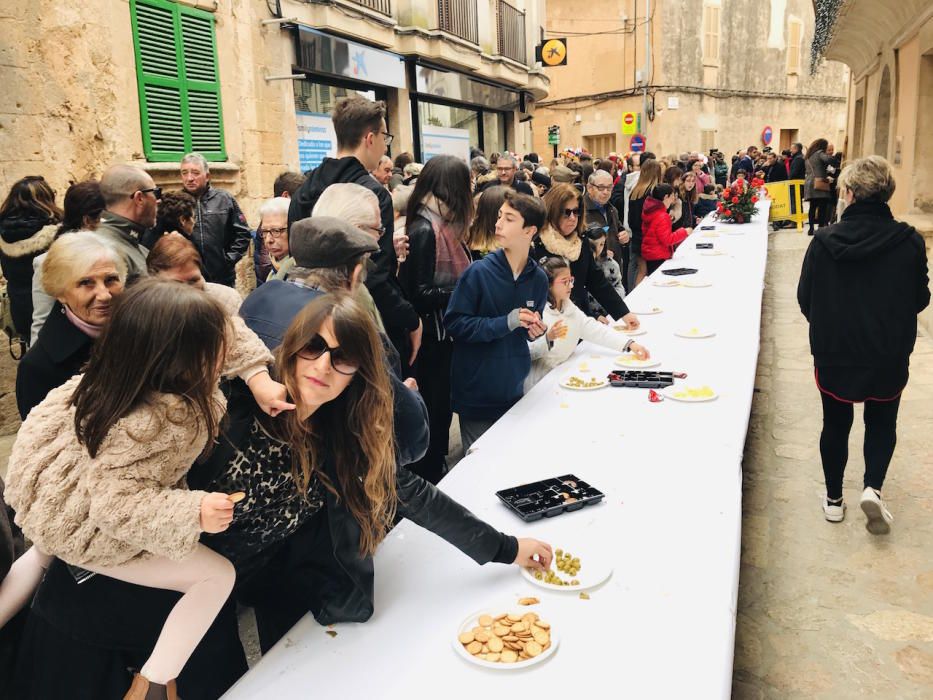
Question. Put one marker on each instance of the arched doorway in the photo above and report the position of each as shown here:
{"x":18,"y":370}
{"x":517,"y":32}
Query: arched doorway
{"x":883,"y":119}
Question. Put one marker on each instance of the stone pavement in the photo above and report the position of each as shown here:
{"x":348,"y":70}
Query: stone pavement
{"x":828,"y":610}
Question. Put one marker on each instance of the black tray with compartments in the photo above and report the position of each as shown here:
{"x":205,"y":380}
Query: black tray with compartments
{"x":549,"y":497}
{"x":641,"y":379}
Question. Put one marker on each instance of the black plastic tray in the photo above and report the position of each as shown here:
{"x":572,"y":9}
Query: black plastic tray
{"x":641,"y":379}
{"x":549,"y":497}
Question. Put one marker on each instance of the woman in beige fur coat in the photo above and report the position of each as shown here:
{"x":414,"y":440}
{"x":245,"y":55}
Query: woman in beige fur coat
{"x":97,"y":472}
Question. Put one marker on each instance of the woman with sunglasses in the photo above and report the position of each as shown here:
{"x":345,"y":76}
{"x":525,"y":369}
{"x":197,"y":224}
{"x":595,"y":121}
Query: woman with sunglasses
{"x":563,"y":236}
{"x":440,"y":211}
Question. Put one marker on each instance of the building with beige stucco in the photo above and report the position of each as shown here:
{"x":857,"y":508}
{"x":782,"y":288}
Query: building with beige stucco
{"x":697,"y":74}
{"x":246,"y":82}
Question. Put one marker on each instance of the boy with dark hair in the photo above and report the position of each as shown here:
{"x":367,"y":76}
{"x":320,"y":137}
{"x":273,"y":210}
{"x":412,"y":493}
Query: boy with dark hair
{"x":493,"y":313}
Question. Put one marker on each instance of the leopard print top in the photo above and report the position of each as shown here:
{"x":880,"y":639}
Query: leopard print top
{"x":273,"y":508}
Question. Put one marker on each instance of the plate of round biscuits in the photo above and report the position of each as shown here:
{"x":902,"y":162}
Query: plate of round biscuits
{"x":503,"y":637}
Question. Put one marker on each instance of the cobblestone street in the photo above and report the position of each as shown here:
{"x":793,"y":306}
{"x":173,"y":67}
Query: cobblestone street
{"x":828,"y":610}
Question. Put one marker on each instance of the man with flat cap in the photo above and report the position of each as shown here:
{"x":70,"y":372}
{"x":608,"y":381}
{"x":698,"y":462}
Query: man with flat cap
{"x":330,"y":255}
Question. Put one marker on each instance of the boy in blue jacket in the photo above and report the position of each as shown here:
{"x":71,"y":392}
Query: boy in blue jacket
{"x":493,"y":313}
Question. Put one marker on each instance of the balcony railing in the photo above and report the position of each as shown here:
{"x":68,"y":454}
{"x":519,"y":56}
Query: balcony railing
{"x":511,"y":31}
{"x":383,"y":7}
{"x":458,"y":17}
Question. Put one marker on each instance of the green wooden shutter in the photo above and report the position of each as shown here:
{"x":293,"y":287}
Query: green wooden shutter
{"x":179,"y":88}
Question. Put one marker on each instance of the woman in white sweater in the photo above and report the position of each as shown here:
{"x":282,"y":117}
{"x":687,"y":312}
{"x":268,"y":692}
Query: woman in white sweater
{"x":568,"y":325}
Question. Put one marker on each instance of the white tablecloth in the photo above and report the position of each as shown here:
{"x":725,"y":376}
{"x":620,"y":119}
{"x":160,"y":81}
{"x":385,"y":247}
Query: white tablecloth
{"x":663,"y":625}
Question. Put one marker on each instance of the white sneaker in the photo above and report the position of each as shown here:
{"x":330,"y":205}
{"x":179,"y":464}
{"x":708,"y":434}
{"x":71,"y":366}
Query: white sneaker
{"x":835,"y":512}
{"x":879,"y":518}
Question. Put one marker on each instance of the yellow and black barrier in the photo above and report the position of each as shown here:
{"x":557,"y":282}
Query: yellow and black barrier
{"x":787,"y":202}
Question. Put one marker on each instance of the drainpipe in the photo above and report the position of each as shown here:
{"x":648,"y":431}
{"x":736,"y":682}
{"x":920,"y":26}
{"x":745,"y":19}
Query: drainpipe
{"x":647,"y":69}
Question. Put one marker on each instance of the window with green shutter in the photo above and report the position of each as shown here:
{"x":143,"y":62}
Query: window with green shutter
{"x":179,"y":86}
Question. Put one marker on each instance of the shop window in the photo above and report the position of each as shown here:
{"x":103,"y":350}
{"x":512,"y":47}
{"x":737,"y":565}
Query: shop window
{"x":711,"y":10}
{"x":321,"y":99}
{"x":494,"y":139}
{"x":451,"y":118}
{"x":179,"y":85}
{"x":794,"y":41}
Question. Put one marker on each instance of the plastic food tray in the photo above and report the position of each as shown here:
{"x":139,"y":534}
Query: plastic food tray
{"x":549,"y":497}
{"x":641,"y":379}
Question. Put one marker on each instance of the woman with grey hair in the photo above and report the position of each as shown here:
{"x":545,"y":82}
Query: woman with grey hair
{"x":863,"y":282}
{"x":273,"y":229}
{"x":83,"y":272}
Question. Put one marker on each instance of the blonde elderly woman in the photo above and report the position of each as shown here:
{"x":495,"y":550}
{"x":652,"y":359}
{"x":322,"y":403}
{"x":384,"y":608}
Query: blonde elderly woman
{"x":83,"y":273}
{"x":863,"y":282}
{"x":273,"y":228}
{"x":359,"y":207}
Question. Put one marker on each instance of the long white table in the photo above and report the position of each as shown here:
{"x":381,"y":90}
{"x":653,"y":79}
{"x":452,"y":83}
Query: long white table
{"x":663,"y":626}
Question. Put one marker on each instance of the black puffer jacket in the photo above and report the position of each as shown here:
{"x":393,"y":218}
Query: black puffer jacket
{"x":21,"y":240}
{"x":220,"y":234}
{"x":382,"y":281}
{"x":863,"y":282}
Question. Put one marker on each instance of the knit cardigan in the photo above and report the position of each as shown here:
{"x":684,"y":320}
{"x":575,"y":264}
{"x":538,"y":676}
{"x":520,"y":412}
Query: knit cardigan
{"x":132,"y":499}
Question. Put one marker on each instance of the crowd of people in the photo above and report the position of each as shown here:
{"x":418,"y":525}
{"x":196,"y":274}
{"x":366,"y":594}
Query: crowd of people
{"x":184,"y":449}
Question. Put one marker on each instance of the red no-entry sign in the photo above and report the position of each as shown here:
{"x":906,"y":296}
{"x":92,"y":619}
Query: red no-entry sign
{"x":637,"y":144}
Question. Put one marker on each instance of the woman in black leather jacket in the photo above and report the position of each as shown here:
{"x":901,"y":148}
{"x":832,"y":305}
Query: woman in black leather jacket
{"x":322,"y":490}
{"x":439,"y":214}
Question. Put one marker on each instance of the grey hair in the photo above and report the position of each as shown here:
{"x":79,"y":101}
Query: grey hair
{"x":276,"y":205}
{"x":72,"y":255}
{"x":510,"y":157}
{"x":480,"y":165}
{"x":120,"y":182}
{"x":597,"y":175}
{"x":384,"y":159}
{"x":330,"y":279}
{"x":196,"y":158}
{"x":349,"y":202}
{"x":868,"y":179}
{"x":400,"y":196}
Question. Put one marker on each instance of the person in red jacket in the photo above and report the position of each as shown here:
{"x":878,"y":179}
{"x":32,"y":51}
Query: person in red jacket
{"x":658,"y":238}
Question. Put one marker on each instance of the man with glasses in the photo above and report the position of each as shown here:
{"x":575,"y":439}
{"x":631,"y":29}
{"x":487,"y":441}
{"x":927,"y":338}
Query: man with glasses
{"x":600,"y":212}
{"x":273,"y":230}
{"x":362,"y":140}
{"x":131,"y":202}
{"x":506,"y":169}
{"x":220,"y":234}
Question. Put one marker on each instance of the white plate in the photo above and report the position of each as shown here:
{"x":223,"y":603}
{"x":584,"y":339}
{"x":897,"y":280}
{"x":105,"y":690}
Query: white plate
{"x":565,"y":385}
{"x":710,"y":235}
{"x":669,"y":393}
{"x":666,"y":283}
{"x":594,"y":569}
{"x":633,"y":363}
{"x":634,"y":331}
{"x":649,"y":311}
{"x":700,"y":333}
{"x":711,"y":253}
{"x":696,"y":284}
{"x":473,"y":621}
{"x":734,"y":232}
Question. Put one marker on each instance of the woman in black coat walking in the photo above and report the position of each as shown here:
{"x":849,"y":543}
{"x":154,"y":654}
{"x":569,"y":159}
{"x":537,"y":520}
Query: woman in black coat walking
{"x":862,"y":335}
{"x":29,"y":219}
{"x":439,"y":215}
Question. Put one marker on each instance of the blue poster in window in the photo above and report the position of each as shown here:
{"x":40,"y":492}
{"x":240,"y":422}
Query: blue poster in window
{"x":438,"y":140}
{"x":316,"y":139}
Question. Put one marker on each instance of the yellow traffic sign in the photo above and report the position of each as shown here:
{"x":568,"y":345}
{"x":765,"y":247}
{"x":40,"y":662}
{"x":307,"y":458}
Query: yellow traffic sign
{"x":553,"y":52}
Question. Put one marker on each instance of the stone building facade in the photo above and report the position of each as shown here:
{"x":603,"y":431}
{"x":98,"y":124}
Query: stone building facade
{"x":102,"y":81}
{"x":697,"y":73}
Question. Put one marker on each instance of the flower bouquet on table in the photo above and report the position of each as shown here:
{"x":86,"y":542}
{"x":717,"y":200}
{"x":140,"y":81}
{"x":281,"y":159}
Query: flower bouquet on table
{"x":737,"y":204}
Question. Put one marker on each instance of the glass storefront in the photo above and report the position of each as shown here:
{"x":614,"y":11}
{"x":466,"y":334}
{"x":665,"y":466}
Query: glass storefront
{"x":321,"y":98}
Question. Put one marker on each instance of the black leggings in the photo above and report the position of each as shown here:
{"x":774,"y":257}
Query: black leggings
{"x":653,"y":265}
{"x":820,"y":211}
{"x":880,"y":439}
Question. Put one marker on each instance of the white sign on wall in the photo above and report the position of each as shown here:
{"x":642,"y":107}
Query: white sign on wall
{"x":439,"y":140}
{"x":316,"y":139}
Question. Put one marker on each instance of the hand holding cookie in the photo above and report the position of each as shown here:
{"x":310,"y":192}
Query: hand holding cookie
{"x":528,"y":548}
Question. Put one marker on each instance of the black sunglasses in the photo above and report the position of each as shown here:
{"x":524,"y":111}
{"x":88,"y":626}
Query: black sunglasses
{"x":572,"y":212}
{"x":156,"y":192}
{"x":317,"y":346}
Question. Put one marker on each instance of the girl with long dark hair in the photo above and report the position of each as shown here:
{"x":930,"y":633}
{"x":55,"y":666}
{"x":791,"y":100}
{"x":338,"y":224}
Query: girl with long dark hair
{"x":439,"y":215}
